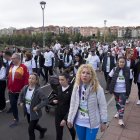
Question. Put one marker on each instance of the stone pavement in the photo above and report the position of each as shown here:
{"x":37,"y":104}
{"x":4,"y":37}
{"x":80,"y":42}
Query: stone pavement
{"x":131,"y":120}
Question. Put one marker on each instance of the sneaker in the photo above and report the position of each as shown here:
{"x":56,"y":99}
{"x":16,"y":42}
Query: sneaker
{"x":138,"y":102}
{"x":116,"y":115}
{"x":42,"y":133}
{"x":106,"y":91}
{"x":120,"y":122}
{"x":127,"y":101}
{"x":3,"y":110}
{"x":14,"y":123}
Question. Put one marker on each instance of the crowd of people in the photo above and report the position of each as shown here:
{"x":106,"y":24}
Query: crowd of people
{"x":80,"y":106}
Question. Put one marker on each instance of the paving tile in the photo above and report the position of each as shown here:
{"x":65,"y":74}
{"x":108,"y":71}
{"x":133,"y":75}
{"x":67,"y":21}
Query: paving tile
{"x":134,"y":119}
{"x":115,"y":130}
{"x":124,"y":138}
{"x":135,"y":113}
{"x":114,"y":122}
{"x":130,"y":134}
{"x":133,"y":126}
{"x":109,"y":136}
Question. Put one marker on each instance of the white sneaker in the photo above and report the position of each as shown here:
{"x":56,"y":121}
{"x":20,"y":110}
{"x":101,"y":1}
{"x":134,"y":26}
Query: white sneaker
{"x":127,"y":101}
{"x":138,"y":102}
{"x":106,"y":91}
{"x":116,"y":115}
{"x":120,"y":122}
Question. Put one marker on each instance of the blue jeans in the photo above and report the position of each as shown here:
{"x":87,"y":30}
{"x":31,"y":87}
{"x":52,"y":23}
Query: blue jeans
{"x":84,"y":133}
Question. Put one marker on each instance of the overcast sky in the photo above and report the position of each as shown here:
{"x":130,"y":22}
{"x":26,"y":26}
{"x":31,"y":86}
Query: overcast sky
{"x":26,"y":13}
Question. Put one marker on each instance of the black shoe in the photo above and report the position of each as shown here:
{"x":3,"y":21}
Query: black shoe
{"x":47,"y":109}
{"x":42,"y":133}
{"x":14,"y":124}
{"x":9,"y":111}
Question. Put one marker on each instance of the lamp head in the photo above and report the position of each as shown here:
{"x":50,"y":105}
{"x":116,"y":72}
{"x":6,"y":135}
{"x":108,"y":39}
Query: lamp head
{"x":43,"y":3}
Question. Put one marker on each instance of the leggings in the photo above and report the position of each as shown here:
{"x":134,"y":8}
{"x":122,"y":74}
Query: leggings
{"x":120,"y":99}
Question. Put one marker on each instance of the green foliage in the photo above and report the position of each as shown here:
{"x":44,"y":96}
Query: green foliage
{"x":128,"y":33}
{"x":64,"y":39}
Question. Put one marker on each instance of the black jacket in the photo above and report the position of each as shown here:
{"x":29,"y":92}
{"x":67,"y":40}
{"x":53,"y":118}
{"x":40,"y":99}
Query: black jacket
{"x":63,"y":105}
{"x":136,"y":71}
{"x":112,"y":63}
{"x":41,"y":60}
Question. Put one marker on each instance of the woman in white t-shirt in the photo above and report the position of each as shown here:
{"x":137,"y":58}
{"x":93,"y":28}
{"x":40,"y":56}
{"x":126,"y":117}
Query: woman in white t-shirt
{"x":119,"y":78}
{"x":32,"y":100}
{"x":28,"y":61}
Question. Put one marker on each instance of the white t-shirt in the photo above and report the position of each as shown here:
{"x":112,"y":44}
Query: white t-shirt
{"x":28,"y":98}
{"x":28,"y":64}
{"x":120,"y":86}
{"x":2,"y":72}
{"x":57,"y":47}
{"x":67,"y":64}
{"x":48,"y":58}
{"x":33,"y":60}
{"x":108,"y":65}
{"x":93,"y":60}
{"x":83,"y":116}
{"x":138,"y":49}
{"x":128,"y":63}
{"x":105,"y":48}
{"x":64,"y":88}
{"x":13,"y":71}
{"x":75,"y":69}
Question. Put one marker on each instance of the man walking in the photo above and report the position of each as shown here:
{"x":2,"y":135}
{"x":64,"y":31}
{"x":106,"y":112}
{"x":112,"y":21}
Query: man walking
{"x":17,"y":79}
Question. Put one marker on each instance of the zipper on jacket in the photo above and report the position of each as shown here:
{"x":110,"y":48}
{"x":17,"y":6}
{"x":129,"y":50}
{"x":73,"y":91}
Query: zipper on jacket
{"x":89,"y":119}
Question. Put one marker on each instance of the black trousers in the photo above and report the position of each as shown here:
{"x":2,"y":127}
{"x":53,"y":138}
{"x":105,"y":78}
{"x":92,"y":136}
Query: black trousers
{"x":138,"y":84}
{"x":59,"y":129}
{"x":106,"y":79}
{"x":2,"y":94}
{"x":13,"y":101}
{"x":130,"y":88}
{"x":39,"y":71}
{"x":48,"y":69}
{"x":32,"y":126}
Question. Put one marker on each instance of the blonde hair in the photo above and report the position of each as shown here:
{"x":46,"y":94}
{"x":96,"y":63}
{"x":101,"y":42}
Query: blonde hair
{"x":94,"y":80}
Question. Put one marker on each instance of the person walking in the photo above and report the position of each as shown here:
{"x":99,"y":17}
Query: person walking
{"x":137,"y":79}
{"x":2,"y":85}
{"x":17,"y":79}
{"x":107,"y":65}
{"x":49,"y":63}
{"x":32,"y":100}
{"x":119,"y":78}
{"x":63,"y":104}
{"x":88,"y":107}
{"x":7,"y":56}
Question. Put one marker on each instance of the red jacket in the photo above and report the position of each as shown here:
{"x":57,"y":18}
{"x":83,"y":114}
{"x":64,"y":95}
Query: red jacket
{"x":20,"y":78}
{"x":135,"y":54}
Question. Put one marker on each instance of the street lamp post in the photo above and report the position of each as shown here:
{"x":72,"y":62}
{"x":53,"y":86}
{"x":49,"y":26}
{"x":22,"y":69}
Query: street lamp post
{"x":43,"y":3}
{"x":105,"y":21}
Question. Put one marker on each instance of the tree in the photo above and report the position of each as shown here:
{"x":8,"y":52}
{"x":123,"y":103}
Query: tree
{"x":128,"y":33}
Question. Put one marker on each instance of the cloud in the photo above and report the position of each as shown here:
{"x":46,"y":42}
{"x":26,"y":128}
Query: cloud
{"x":23,"y":13}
